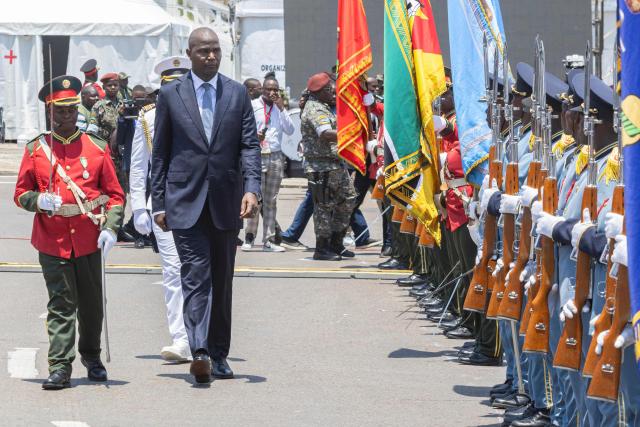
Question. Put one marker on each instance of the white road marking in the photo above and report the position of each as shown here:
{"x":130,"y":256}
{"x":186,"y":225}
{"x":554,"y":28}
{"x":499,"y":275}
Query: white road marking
{"x":43,"y":315}
{"x":69,"y":424}
{"x":159,"y":282}
{"x":22,"y":363}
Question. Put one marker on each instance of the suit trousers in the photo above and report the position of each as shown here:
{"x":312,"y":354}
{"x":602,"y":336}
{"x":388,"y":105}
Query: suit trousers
{"x":171,"y":283}
{"x":208,"y":258}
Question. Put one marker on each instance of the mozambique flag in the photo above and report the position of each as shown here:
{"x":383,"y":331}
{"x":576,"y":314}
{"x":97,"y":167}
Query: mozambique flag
{"x":354,"y":59}
{"x":629,"y":19}
{"x":414,"y":77}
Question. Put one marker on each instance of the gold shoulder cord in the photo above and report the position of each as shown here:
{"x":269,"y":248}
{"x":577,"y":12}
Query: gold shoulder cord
{"x":147,"y":133}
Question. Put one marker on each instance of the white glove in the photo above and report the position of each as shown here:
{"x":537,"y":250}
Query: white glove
{"x":546,"y":222}
{"x":509,"y":204}
{"x":106,"y":240}
{"x":474,"y":232}
{"x":49,"y":202}
{"x":527,"y":271}
{"x":379,"y":173}
{"x":473,"y":210}
{"x":486,"y":195}
{"x":624,"y":340}
{"x":371,"y":146}
{"x":620,"y":250}
{"x":568,"y":310}
{"x":536,"y":211}
{"x":528,"y":195}
{"x":580,"y":227}
{"x":443,"y":158}
{"x":613,"y":225}
{"x":439,"y":123}
{"x":499,"y":266}
{"x":142,"y":221}
{"x":479,"y":256}
{"x":594,"y":319}
{"x":530,"y":282}
{"x":485,"y":183}
{"x":368,"y":99}
{"x":506,"y":276}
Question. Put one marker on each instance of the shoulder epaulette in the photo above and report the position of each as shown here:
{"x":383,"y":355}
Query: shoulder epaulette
{"x":31,"y":145}
{"x":148,"y":107}
{"x":97,"y":141}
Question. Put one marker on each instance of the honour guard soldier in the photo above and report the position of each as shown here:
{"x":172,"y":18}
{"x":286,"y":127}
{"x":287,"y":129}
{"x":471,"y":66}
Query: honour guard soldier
{"x":331,"y":188}
{"x":169,"y":69}
{"x":68,"y":179}
{"x":90,"y":71}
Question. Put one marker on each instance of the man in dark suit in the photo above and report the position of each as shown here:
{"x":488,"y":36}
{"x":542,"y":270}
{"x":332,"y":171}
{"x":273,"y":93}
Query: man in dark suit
{"x":205,"y":170}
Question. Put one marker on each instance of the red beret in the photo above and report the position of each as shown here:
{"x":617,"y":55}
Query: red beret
{"x":109,"y":76}
{"x":318,"y":81}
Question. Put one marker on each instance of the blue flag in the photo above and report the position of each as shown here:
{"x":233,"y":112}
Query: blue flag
{"x":468,"y":20}
{"x":629,"y":18}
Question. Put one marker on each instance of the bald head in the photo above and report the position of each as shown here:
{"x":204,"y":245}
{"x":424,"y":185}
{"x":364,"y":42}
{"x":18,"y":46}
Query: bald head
{"x":89,"y":96}
{"x":204,"y":52}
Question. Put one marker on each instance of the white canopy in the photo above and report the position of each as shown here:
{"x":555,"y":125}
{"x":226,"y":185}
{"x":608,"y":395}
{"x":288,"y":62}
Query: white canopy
{"x":125,"y":35}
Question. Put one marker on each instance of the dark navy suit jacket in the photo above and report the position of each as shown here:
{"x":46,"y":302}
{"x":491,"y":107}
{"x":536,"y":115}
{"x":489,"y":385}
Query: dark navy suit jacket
{"x":187,"y":172}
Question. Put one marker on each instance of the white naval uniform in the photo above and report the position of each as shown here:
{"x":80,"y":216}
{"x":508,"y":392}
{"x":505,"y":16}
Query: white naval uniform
{"x":140,"y":163}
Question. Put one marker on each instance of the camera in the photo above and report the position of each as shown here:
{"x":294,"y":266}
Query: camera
{"x":132,"y":108}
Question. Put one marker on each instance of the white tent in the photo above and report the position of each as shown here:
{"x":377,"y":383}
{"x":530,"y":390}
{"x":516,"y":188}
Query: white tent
{"x":123,"y":35}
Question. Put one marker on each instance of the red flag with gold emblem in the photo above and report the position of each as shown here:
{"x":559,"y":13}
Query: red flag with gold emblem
{"x":354,"y":59}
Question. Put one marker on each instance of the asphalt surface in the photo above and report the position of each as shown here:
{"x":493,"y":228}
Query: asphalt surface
{"x":313,"y":344}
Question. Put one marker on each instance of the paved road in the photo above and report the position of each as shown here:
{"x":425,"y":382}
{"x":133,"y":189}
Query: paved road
{"x":319,"y":350}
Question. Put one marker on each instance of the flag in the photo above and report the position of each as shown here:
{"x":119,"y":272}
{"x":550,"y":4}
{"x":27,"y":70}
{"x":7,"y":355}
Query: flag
{"x":629,"y":19}
{"x":468,"y":20}
{"x":414,"y":76}
{"x":354,"y":59}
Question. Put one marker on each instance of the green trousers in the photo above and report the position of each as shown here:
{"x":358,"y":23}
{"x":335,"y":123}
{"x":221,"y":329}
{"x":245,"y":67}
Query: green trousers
{"x":75,"y":288}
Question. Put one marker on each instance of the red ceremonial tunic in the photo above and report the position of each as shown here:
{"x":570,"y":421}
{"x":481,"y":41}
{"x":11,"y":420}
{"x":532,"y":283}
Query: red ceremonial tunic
{"x":456,"y":216}
{"x":67,"y":236}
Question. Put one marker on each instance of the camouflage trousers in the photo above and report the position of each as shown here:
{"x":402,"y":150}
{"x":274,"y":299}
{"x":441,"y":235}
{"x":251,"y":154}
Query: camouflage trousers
{"x":334,"y":199}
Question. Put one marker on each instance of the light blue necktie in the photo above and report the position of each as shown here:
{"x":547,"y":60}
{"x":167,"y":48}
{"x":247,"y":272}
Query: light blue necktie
{"x":207,"y":110}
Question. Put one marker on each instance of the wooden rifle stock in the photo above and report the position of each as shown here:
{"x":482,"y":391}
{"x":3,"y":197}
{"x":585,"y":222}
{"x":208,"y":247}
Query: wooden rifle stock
{"x":605,"y":381}
{"x":539,"y":175}
{"x":408,"y":224}
{"x":508,"y":235}
{"x":476,"y":299}
{"x":398,"y":214}
{"x":603,"y":322}
{"x":569,"y":351}
{"x":378,"y":189}
{"x":537,"y":336}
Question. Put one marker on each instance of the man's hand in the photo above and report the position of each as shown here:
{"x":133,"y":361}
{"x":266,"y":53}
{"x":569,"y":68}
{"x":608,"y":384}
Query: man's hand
{"x":161,"y":220}
{"x":249,"y":206}
{"x":279,"y":101}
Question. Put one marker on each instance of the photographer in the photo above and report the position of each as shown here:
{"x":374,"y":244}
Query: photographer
{"x":271,"y":121}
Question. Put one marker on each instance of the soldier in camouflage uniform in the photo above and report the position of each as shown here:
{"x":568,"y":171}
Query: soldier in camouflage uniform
{"x":332,"y":190}
{"x":104,"y":121}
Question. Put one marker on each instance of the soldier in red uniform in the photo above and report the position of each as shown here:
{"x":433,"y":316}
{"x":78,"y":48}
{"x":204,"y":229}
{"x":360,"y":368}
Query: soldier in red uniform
{"x":90,"y":71}
{"x":68,"y":179}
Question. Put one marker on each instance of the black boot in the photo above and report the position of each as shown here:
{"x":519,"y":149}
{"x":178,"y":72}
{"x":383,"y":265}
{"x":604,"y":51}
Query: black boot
{"x":57,"y":380}
{"x":323,"y":251}
{"x":95,"y":369}
{"x":338,"y":247}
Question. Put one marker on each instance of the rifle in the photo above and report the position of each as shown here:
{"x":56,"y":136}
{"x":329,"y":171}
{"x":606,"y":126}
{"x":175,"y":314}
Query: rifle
{"x":537,"y":336}
{"x":476,"y":299}
{"x":511,"y":187}
{"x":605,"y":374}
{"x":378,"y":189}
{"x":569,"y":351}
{"x":535,"y":179}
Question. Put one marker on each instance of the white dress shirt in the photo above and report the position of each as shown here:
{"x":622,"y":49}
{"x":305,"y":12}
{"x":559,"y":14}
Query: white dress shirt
{"x":279,"y":122}
{"x":197,"y":85}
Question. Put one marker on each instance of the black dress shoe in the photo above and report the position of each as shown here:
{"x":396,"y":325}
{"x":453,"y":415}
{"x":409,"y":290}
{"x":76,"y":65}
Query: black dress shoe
{"x":465,"y":352}
{"x":450,"y":325}
{"x":414,"y":279}
{"x":444,"y":317}
{"x":420,"y":294}
{"x":479,"y":359}
{"x":125,"y":236}
{"x":139,"y":243}
{"x":512,"y":401}
{"x":420,"y":287}
{"x":430,"y":302}
{"x":57,"y":380}
{"x":221,"y":369}
{"x":435,"y":310}
{"x":501,"y":388}
{"x":540,"y":419}
{"x":201,"y":368}
{"x":459,"y":333}
{"x":518,"y":414}
{"x":391,"y":264}
{"x":95,"y":369}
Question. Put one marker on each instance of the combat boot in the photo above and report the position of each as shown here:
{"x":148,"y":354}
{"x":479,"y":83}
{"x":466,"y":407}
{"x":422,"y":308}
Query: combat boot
{"x":323,"y":251}
{"x":338,"y":247}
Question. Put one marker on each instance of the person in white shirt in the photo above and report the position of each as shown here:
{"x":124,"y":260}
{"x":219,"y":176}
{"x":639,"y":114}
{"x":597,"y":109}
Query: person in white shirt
{"x":271,"y":121}
{"x":169,"y":69}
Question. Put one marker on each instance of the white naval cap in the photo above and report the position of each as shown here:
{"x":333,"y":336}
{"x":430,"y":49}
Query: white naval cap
{"x":172,"y":67}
